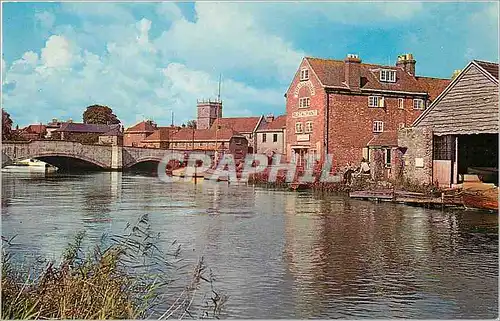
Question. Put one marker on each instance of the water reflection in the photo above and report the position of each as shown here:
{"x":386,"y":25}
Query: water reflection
{"x":275,"y":253}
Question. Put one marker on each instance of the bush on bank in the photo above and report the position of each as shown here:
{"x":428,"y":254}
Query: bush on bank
{"x":129,"y":279}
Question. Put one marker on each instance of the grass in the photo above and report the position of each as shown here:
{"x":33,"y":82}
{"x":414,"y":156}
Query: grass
{"x":130,"y":279}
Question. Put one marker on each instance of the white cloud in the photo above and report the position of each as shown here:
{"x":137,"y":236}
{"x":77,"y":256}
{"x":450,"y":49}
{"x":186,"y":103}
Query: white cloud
{"x":58,"y":53}
{"x":227,"y":38}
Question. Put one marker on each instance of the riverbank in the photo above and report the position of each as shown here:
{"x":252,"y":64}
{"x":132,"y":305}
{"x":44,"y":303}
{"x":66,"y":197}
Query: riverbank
{"x":129,"y":279}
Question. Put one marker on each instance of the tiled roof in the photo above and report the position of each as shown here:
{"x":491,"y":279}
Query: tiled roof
{"x":384,"y":139}
{"x":277,"y":124}
{"x":162,"y":134}
{"x":239,"y":124}
{"x":432,"y":86}
{"x":145,"y":126}
{"x":34,"y":129}
{"x":186,"y":134}
{"x":86,"y":128}
{"x":331,"y":74}
{"x":114,"y":132}
{"x":490,"y":67}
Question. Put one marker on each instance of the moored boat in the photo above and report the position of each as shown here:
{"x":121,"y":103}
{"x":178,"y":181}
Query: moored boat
{"x":29,"y":165}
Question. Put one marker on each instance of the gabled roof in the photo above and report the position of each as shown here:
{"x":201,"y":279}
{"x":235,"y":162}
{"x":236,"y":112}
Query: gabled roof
{"x":473,"y":107}
{"x":34,"y":129}
{"x":86,"y":128}
{"x":278,"y":124}
{"x":186,"y":134}
{"x":331,"y":73}
{"x":489,"y":67}
{"x":145,"y":126}
{"x":384,"y":139}
{"x":161,"y":134}
{"x":239,"y":124}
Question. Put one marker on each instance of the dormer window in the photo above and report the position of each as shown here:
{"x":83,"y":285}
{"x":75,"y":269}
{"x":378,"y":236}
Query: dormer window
{"x":388,"y":75}
{"x":418,"y":104}
{"x":304,"y":74}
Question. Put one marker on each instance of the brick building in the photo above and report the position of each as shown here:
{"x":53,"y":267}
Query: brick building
{"x":133,"y":136}
{"x":210,"y":117}
{"x":337,"y":106}
{"x":224,"y":140}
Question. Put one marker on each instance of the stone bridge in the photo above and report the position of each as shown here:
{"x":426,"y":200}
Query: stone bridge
{"x":67,"y":155}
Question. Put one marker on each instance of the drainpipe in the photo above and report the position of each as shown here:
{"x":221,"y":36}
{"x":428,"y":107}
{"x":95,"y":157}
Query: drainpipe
{"x":327,"y":116}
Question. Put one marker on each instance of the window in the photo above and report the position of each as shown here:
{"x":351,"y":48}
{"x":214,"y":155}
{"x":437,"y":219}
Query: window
{"x":387,"y":157}
{"x":375,"y":101}
{"x":250,"y":136}
{"x":401,"y":125}
{"x":275,"y":138}
{"x":418,"y":104}
{"x":309,"y":127}
{"x":304,"y":74}
{"x":401,"y":103}
{"x":264,"y":138}
{"x":304,"y":102}
{"x":298,"y":128}
{"x":388,"y":75}
{"x":378,"y":126}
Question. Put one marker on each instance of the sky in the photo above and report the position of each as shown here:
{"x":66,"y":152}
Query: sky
{"x":147,"y":60}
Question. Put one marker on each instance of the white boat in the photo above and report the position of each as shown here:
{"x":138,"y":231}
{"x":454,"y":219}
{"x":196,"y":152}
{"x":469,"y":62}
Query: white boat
{"x":29,"y":165}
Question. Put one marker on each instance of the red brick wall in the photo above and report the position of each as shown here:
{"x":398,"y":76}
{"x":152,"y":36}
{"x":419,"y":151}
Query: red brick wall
{"x":133,"y":139}
{"x":317,"y":102}
{"x":351,"y":124}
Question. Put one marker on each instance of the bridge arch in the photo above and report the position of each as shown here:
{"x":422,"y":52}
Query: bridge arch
{"x":65,"y":161}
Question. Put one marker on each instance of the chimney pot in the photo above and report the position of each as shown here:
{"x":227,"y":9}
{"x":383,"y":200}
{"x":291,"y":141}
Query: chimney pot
{"x":407,"y":62}
{"x":352,"y":71}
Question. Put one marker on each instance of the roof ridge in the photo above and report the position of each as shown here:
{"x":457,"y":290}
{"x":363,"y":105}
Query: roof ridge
{"x":486,"y":61}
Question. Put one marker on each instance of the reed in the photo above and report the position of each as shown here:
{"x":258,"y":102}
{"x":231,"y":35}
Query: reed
{"x":129,"y":279}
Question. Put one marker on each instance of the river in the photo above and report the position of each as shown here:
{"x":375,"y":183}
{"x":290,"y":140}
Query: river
{"x":278,"y":254}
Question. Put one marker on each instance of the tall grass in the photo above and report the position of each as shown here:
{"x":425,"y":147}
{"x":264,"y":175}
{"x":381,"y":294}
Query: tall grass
{"x":129,"y":279}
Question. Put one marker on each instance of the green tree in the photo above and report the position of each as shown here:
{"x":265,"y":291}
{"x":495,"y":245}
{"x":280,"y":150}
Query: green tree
{"x":6,"y":125}
{"x":98,"y":114}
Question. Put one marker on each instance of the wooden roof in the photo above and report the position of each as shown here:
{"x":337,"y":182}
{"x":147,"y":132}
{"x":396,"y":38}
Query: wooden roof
{"x":469,"y":105}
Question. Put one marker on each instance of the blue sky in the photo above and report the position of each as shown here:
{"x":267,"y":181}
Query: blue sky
{"x":145,"y":60}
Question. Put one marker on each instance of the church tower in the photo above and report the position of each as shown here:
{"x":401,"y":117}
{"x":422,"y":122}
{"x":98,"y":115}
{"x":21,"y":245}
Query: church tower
{"x":208,"y":112}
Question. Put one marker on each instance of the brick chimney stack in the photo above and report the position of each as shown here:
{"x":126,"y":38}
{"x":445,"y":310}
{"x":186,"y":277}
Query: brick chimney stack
{"x":269,"y":118}
{"x":407,"y":62}
{"x":352,"y":72}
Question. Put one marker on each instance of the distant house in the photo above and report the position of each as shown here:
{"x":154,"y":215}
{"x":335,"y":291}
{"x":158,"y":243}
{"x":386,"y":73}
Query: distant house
{"x":210,"y":117}
{"x":134,"y":135}
{"x":160,"y":138}
{"x":458,"y":133}
{"x":337,"y":106}
{"x":210,"y":140}
{"x":270,"y":135}
{"x":85,"y":133}
{"x":33,"y":132}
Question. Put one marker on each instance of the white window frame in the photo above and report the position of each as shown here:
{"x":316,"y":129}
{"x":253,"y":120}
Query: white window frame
{"x":419,"y":106}
{"x":388,"y":75}
{"x":308,"y":127}
{"x":376,"y":101}
{"x":264,"y":138}
{"x":378,"y":126}
{"x":299,"y":128}
{"x":304,"y":102}
{"x":304,"y":74}
{"x":275,"y":138}
{"x":401,"y":103}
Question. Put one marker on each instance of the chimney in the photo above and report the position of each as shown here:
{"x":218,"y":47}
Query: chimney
{"x":352,"y":71}
{"x":269,"y":118}
{"x":407,"y":62}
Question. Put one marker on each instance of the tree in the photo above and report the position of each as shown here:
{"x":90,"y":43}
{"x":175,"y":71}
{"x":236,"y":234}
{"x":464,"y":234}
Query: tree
{"x":191,"y":124}
{"x":98,"y":114}
{"x":6,"y":125}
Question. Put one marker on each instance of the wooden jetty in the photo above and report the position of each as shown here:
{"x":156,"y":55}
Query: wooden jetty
{"x":411,"y":198}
